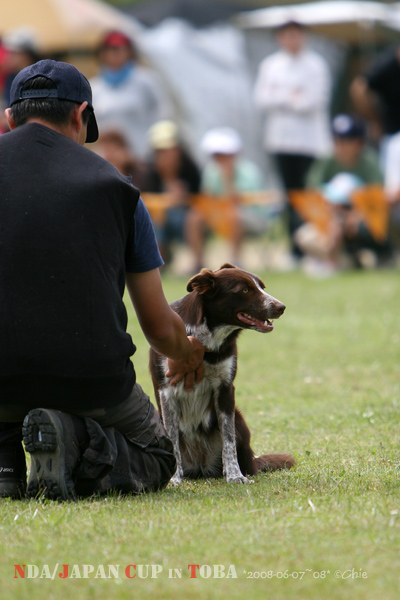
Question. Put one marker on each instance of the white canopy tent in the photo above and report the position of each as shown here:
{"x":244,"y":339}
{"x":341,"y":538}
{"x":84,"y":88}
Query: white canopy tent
{"x":345,"y":20}
{"x":394,"y":17}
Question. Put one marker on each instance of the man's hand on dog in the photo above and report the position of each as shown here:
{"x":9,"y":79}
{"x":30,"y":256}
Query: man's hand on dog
{"x":190,"y":369}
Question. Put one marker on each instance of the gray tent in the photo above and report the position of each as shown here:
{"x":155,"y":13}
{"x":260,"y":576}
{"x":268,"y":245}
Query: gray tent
{"x":199,"y":13}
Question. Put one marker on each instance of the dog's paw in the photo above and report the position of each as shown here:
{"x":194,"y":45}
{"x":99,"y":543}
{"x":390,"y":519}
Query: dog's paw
{"x":175,"y":481}
{"x":238,"y":479}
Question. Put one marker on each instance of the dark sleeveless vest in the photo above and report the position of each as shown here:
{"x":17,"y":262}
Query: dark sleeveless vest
{"x":66,"y":228}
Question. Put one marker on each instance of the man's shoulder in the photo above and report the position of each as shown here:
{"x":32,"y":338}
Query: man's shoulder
{"x":88,"y":159}
{"x":35,"y":138}
{"x":105,"y":173}
{"x":13,"y":136}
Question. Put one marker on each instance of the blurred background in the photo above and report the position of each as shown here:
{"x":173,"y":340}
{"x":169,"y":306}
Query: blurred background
{"x":207,"y":51}
{"x":204,"y":55}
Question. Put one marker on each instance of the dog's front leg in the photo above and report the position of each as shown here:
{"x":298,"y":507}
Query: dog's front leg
{"x":225,"y":409}
{"x":171,"y":424}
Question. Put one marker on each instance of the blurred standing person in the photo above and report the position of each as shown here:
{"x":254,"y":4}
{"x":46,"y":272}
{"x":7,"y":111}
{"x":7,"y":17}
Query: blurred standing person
{"x":376,"y":95}
{"x":127,"y":95}
{"x":293,"y":88}
{"x":392,"y":189}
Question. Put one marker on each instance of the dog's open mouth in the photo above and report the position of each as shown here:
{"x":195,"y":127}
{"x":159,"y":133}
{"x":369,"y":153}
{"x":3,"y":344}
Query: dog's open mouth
{"x":262,"y":326}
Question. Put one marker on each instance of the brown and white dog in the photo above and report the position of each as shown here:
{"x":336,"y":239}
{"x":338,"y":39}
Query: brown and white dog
{"x":209,"y":434}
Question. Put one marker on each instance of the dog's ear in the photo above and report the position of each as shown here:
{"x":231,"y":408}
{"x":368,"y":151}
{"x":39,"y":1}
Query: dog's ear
{"x":202,"y":283}
{"x":226,"y":266}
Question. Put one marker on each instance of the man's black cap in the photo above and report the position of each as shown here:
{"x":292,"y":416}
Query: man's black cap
{"x":70,"y":85}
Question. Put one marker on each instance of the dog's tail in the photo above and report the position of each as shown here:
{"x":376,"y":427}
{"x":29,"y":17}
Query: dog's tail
{"x":274,"y":462}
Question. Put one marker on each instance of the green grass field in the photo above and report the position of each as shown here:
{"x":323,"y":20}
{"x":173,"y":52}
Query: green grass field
{"x":323,"y":386}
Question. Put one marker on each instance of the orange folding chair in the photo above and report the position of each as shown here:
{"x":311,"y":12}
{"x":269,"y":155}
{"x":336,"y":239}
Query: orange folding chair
{"x":372,"y":205}
{"x":313,"y":208}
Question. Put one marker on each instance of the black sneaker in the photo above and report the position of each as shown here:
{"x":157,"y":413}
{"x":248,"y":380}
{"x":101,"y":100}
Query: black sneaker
{"x":51,"y":437}
{"x":12,"y":471}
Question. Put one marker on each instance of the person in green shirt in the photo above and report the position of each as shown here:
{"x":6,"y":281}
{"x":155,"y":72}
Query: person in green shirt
{"x":352,"y":165}
{"x":350,"y":155}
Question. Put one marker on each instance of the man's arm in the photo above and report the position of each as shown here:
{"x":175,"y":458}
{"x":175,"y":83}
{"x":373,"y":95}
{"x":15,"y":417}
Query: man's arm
{"x":268,"y":92}
{"x":366,"y":102}
{"x":315,"y":91}
{"x":164,"y":329}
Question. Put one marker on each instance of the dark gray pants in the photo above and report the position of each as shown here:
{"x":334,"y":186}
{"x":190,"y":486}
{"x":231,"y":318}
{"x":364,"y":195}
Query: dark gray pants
{"x":128,"y":450}
{"x":293,"y":169}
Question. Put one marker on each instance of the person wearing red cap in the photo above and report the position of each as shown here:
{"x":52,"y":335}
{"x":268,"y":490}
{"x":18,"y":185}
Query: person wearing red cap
{"x":128,"y":95}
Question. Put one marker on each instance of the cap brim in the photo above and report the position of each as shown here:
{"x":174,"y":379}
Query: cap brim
{"x":92,"y":133}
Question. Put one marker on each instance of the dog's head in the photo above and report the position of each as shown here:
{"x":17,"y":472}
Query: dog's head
{"x":232,"y":296}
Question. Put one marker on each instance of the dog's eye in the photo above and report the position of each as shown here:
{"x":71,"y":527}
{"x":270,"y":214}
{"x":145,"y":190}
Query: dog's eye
{"x":245,"y":290}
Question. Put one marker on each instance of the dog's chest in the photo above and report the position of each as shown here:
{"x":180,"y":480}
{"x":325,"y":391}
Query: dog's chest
{"x":194,"y":408}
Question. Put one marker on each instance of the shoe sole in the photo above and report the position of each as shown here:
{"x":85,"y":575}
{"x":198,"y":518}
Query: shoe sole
{"x":43,"y":434}
{"x":15,"y":490}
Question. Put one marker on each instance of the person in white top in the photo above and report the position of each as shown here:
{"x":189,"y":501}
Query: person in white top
{"x":392,"y":189}
{"x":128,"y":96}
{"x":392,"y":169}
{"x":293,"y":89}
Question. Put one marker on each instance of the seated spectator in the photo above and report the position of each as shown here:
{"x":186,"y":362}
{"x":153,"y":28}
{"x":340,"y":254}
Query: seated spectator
{"x":172,"y":171}
{"x":353,"y":165}
{"x":21,"y":50}
{"x":127,"y":94}
{"x":228,"y":174}
{"x":113,"y":146}
{"x":392,"y":188}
